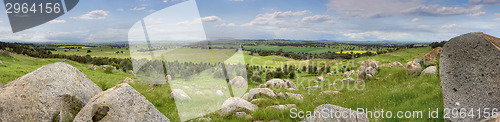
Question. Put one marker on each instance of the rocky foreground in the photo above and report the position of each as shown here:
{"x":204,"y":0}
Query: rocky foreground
{"x":60,"y":92}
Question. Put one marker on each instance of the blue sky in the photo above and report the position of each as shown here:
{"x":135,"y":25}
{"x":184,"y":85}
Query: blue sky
{"x":343,"y":20}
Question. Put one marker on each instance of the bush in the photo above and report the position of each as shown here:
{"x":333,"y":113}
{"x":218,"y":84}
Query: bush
{"x":108,"y":70}
{"x":5,"y":53}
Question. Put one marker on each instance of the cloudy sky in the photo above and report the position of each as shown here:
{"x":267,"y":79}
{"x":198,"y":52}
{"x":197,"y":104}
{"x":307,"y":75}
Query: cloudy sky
{"x":343,"y":20}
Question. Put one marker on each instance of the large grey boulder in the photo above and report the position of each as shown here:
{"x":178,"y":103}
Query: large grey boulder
{"x":430,"y":57}
{"x":470,"y":73}
{"x":413,"y":68}
{"x":179,"y":94}
{"x":337,"y":114}
{"x":55,"y":92}
{"x":118,"y":104}
{"x":236,"y":104}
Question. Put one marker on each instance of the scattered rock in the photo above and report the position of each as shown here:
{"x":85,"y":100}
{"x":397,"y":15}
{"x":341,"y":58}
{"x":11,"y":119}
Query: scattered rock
{"x":395,"y":64}
{"x":236,"y":104}
{"x":429,"y":70}
{"x":199,"y":93}
{"x":150,"y":90}
{"x":320,"y":79}
{"x":281,"y":107}
{"x":259,"y":91}
{"x":417,"y":60}
{"x":413,"y":68}
{"x":469,"y":72}
{"x":367,"y":70}
{"x":330,"y":92}
{"x":128,"y":80}
{"x":131,"y":72}
{"x":349,"y":73}
{"x":168,"y":78}
{"x":240,"y":114}
{"x":328,"y":74}
{"x":262,"y":86}
{"x":238,"y":81}
{"x":54,"y":92}
{"x":347,"y":80}
{"x":430,"y":57}
{"x":347,"y":114}
{"x":313,"y":87}
{"x":281,"y":83}
{"x":219,"y":93}
{"x":1,"y":63}
{"x":178,"y":94}
{"x":43,"y":60}
{"x":120,"y":103}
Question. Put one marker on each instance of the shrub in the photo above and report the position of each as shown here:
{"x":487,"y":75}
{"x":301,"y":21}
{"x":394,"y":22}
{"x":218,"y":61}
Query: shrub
{"x":108,"y":70}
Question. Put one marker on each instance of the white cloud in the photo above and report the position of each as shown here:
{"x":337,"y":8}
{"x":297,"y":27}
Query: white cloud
{"x":211,"y":19}
{"x":449,"y":26}
{"x":317,"y":19}
{"x":387,"y":8}
{"x":497,"y":19}
{"x":377,"y":35}
{"x":96,"y":14}
{"x":151,"y":10}
{"x":477,"y":14}
{"x":57,"y":21}
{"x":225,"y":25}
{"x":199,"y":20}
{"x":274,"y":18}
{"x":120,"y":9}
{"x":416,"y":19}
{"x":484,"y":2}
{"x":138,"y":9}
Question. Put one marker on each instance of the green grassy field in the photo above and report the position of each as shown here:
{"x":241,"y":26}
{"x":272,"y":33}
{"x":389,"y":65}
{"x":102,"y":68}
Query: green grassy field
{"x":391,"y":89}
{"x":99,"y":51}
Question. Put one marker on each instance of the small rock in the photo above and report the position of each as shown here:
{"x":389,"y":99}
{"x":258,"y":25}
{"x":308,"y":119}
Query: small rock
{"x":1,"y":63}
{"x":281,"y":107}
{"x":178,"y":94}
{"x":128,"y":80}
{"x":236,"y":104}
{"x":328,"y":74}
{"x":262,"y":86}
{"x":348,"y":73}
{"x":330,"y":92}
{"x":131,"y":72}
{"x":43,"y":60}
{"x":238,"y":81}
{"x":429,"y":70}
{"x":281,"y":83}
{"x":320,"y":79}
{"x":150,"y":89}
{"x":219,"y":93}
{"x":313,"y":87}
{"x":347,"y":80}
{"x":417,"y":60}
{"x":168,"y":78}
{"x":395,"y":64}
{"x":199,"y":93}
{"x":413,"y":68}
{"x":294,"y":96}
